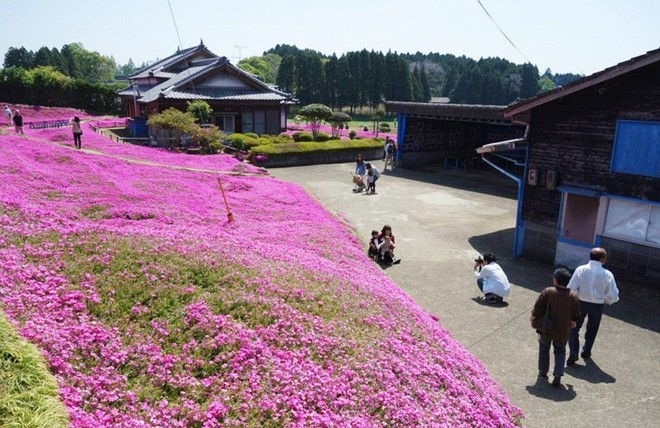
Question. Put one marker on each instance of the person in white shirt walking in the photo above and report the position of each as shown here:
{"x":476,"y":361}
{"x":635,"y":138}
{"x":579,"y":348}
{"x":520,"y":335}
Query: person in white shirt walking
{"x":595,"y":287}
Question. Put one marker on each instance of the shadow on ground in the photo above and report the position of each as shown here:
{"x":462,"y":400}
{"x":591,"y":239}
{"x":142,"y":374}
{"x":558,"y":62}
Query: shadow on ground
{"x":638,"y":305}
{"x":543,"y":389}
{"x":487,"y":181}
{"x":589,"y":372}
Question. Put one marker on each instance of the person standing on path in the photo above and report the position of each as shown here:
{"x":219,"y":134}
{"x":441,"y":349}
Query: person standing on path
{"x":374,"y":175}
{"x":77,"y":132}
{"x":360,"y":171}
{"x":9,"y":115}
{"x":564,"y":308}
{"x":18,"y":122}
{"x":595,"y":287}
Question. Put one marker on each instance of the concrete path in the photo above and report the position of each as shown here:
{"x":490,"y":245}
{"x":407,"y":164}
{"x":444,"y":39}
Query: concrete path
{"x":442,"y":220}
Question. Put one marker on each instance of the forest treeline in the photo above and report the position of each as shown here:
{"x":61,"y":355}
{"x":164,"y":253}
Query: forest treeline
{"x":73,"y":76}
{"x":367,"y":78}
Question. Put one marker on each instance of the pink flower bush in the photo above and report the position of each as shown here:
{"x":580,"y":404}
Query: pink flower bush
{"x":152,"y":309}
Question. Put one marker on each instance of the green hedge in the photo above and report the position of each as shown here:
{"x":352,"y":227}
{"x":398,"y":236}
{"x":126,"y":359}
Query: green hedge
{"x":302,"y":147}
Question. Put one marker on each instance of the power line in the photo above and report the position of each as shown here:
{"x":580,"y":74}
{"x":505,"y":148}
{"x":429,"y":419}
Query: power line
{"x":501,"y":31}
{"x":175,"y":26}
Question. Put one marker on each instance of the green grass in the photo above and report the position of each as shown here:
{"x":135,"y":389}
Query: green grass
{"x":28,"y":392}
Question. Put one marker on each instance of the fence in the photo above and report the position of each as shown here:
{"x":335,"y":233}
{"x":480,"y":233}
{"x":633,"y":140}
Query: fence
{"x":49,"y":124}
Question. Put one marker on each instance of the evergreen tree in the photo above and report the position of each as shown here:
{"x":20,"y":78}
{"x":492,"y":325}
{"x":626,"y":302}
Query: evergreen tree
{"x":58,"y":62}
{"x":376,"y":82}
{"x":286,"y":75}
{"x":417,"y":94}
{"x":426,"y":89}
{"x":19,"y":57}
{"x":331,"y":89}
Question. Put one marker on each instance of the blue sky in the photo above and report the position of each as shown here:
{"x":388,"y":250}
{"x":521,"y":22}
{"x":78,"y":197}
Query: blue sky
{"x":576,"y":36}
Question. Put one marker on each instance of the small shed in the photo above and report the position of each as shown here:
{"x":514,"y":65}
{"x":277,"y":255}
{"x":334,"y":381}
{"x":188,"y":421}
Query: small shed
{"x":593,"y":171}
{"x":448,"y":134}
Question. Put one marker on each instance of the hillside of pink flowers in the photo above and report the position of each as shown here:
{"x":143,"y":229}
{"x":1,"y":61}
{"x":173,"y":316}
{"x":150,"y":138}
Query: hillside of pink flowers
{"x":152,"y":310}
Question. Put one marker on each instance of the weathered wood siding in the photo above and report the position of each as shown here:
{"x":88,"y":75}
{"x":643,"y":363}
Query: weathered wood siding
{"x":575,"y":137}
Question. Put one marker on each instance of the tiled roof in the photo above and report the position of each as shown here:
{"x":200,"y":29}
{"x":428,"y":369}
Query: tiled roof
{"x":163,"y":64}
{"x":466,"y":112}
{"x":243,"y":94}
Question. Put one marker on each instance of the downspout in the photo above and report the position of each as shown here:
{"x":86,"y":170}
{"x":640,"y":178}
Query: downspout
{"x":519,"y":231}
{"x":400,"y":133}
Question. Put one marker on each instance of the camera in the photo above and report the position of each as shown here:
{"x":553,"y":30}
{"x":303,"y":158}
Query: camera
{"x":479,"y":259}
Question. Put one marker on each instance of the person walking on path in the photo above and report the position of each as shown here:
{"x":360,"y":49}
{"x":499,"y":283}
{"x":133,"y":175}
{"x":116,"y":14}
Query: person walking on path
{"x":18,"y":122}
{"x":9,"y":115}
{"x":77,"y":132}
{"x":595,"y":287}
{"x":491,"y":279}
{"x":562,"y":306}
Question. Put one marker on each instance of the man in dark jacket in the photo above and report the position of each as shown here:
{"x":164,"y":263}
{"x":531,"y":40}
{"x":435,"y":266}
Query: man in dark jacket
{"x":564,"y":308}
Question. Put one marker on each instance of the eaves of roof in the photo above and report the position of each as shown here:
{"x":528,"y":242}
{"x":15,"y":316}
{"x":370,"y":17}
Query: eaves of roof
{"x":463,"y":112}
{"x":586,"y":82}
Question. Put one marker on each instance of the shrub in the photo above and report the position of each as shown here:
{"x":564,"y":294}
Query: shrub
{"x":322,"y":136}
{"x":251,"y":135}
{"x":309,"y":147}
{"x":337,"y":121}
{"x":352,"y":135}
{"x":209,"y":139}
{"x":315,"y":114}
{"x":200,"y":109}
{"x":242,"y":141}
{"x":302,"y":136}
{"x":384,"y":127}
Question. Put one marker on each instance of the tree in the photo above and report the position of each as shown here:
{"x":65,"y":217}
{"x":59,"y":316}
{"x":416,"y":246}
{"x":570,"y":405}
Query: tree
{"x":20,"y":57}
{"x":545,"y":84}
{"x":426,"y":89}
{"x":42,"y":57}
{"x":127,"y":69}
{"x":376,"y":117}
{"x":337,"y":120}
{"x":200,"y":109}
{"x":286,"y":74}
{"x":315,"y":114}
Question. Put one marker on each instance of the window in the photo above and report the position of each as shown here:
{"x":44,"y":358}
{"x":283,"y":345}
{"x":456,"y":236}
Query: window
{"x":637,"y":148}
{"x":254,"y":121}
{"x":635,"y":221}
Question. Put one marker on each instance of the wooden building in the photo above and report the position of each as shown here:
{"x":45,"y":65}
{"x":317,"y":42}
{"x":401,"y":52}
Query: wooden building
{"x":593,"y":171}
{"x":447,"y":134}
{"x":240,"y":101}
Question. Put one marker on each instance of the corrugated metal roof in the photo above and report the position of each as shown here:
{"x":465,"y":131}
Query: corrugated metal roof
{"x":471,"y":112}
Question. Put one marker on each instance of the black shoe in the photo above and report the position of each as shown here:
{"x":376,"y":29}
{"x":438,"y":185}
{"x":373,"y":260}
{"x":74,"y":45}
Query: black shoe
{"x":585,"y":355}
{"x":571,"y":362}
{"x":396,"y":261}
{"x":543,"y":375}
{"x":556,"y":381}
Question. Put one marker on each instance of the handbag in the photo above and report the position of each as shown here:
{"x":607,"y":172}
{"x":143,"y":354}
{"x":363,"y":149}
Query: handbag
{"x":544,"y":324}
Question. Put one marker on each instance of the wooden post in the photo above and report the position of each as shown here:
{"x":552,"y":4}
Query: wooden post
{"x":230,"y":216}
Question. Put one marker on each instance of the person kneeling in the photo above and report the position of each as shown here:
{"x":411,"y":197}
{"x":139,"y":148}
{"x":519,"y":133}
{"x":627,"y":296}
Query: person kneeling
{"x":491,"y":279}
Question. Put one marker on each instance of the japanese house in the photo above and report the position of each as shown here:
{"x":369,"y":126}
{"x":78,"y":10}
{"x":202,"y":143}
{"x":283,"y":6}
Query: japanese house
{"x":240,"y":101}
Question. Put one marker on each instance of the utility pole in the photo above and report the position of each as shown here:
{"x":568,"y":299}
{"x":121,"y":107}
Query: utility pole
{"x":240,"y":48}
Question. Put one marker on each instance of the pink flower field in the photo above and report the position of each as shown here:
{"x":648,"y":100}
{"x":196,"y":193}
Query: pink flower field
{"x":152,"y":310}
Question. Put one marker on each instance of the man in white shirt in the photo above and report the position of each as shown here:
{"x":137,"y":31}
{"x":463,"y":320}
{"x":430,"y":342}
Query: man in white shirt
{"x":491,"y":279}
{"x":595,"y":287}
